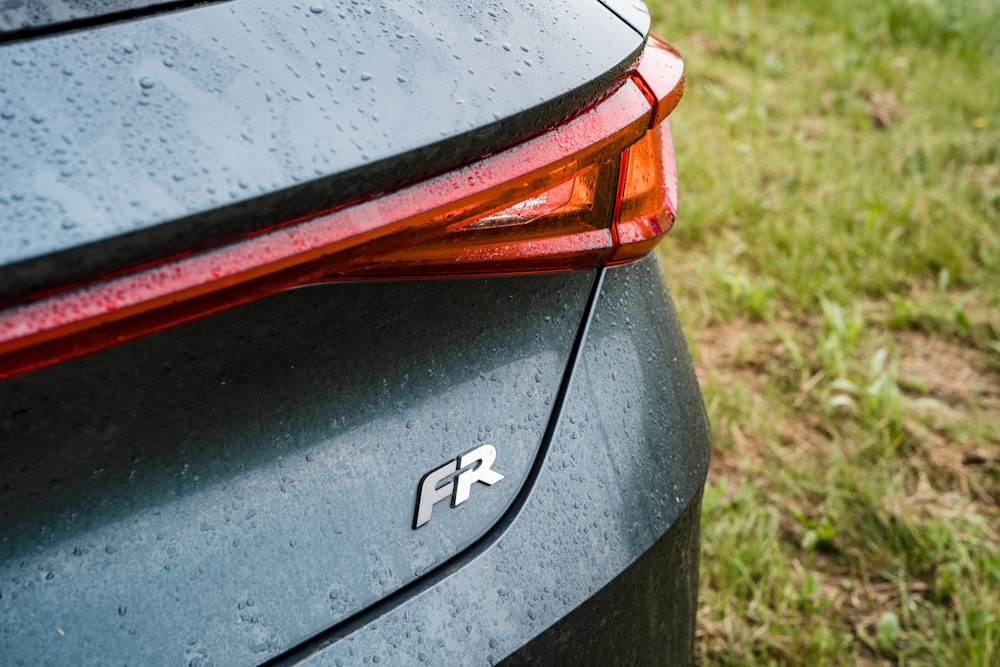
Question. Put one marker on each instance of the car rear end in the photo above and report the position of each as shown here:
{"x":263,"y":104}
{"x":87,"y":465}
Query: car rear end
{"x":330,"y":335}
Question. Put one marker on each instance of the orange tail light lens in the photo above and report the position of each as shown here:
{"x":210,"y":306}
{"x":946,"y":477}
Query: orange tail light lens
{"x":598,"y":190}
{"x":560,"y":228}
{"x":648,"y":196}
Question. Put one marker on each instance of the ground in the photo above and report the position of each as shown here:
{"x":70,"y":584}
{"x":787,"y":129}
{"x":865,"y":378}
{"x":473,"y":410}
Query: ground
{"x":835,"y":264}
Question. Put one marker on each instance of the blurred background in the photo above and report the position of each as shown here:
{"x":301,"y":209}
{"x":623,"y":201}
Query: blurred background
{"x":836,"y":262}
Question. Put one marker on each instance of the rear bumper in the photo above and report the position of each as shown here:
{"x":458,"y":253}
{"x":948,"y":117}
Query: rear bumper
{"x":644,"y":616}
{"x":600,"y":564}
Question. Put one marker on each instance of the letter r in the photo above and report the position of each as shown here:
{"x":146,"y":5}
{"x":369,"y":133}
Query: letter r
{"x":484,"y":456}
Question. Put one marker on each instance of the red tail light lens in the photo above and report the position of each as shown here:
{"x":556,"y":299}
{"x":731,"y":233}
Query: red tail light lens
{"x":600,"y":189}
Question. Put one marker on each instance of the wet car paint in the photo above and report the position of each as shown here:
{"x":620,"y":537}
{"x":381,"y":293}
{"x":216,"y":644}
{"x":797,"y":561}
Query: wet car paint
{"x":621,"y":477}
{"x":633,"y":12}
{"x":248,"y":479}
{"x":21,"y":17}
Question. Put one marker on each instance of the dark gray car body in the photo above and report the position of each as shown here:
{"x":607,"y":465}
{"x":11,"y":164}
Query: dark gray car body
{"x":240,"y":489}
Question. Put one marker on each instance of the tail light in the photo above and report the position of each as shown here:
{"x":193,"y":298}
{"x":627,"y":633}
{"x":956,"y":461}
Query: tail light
{"x":598,"y":190}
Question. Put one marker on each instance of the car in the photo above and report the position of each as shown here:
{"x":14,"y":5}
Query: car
{"x":331,"y":333}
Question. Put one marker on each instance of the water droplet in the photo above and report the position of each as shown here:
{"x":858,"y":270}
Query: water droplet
{"x":506,"y":46}
{"x":366,"y":76}
{"x":316,"y":9}
{"x":147,"y":82}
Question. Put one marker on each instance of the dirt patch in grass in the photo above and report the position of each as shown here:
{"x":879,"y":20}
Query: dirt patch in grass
{"x":957,"y":374}
{"x":730,"y":357}
{"x":954,"y":396}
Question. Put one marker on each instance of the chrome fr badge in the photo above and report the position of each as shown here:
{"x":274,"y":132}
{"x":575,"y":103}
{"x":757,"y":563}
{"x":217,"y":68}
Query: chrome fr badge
{"x":472,"y":466}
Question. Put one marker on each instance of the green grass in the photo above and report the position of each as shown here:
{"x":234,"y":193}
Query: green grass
{"x":836,"y":262}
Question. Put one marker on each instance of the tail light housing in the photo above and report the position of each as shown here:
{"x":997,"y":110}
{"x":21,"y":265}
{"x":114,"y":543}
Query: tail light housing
{"x":598,"y":190}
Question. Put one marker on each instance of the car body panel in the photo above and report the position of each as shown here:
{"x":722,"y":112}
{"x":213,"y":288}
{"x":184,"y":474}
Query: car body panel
{"x":623,"y":474}
{"x":230,"y":117}
{"x":248,"y":479}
